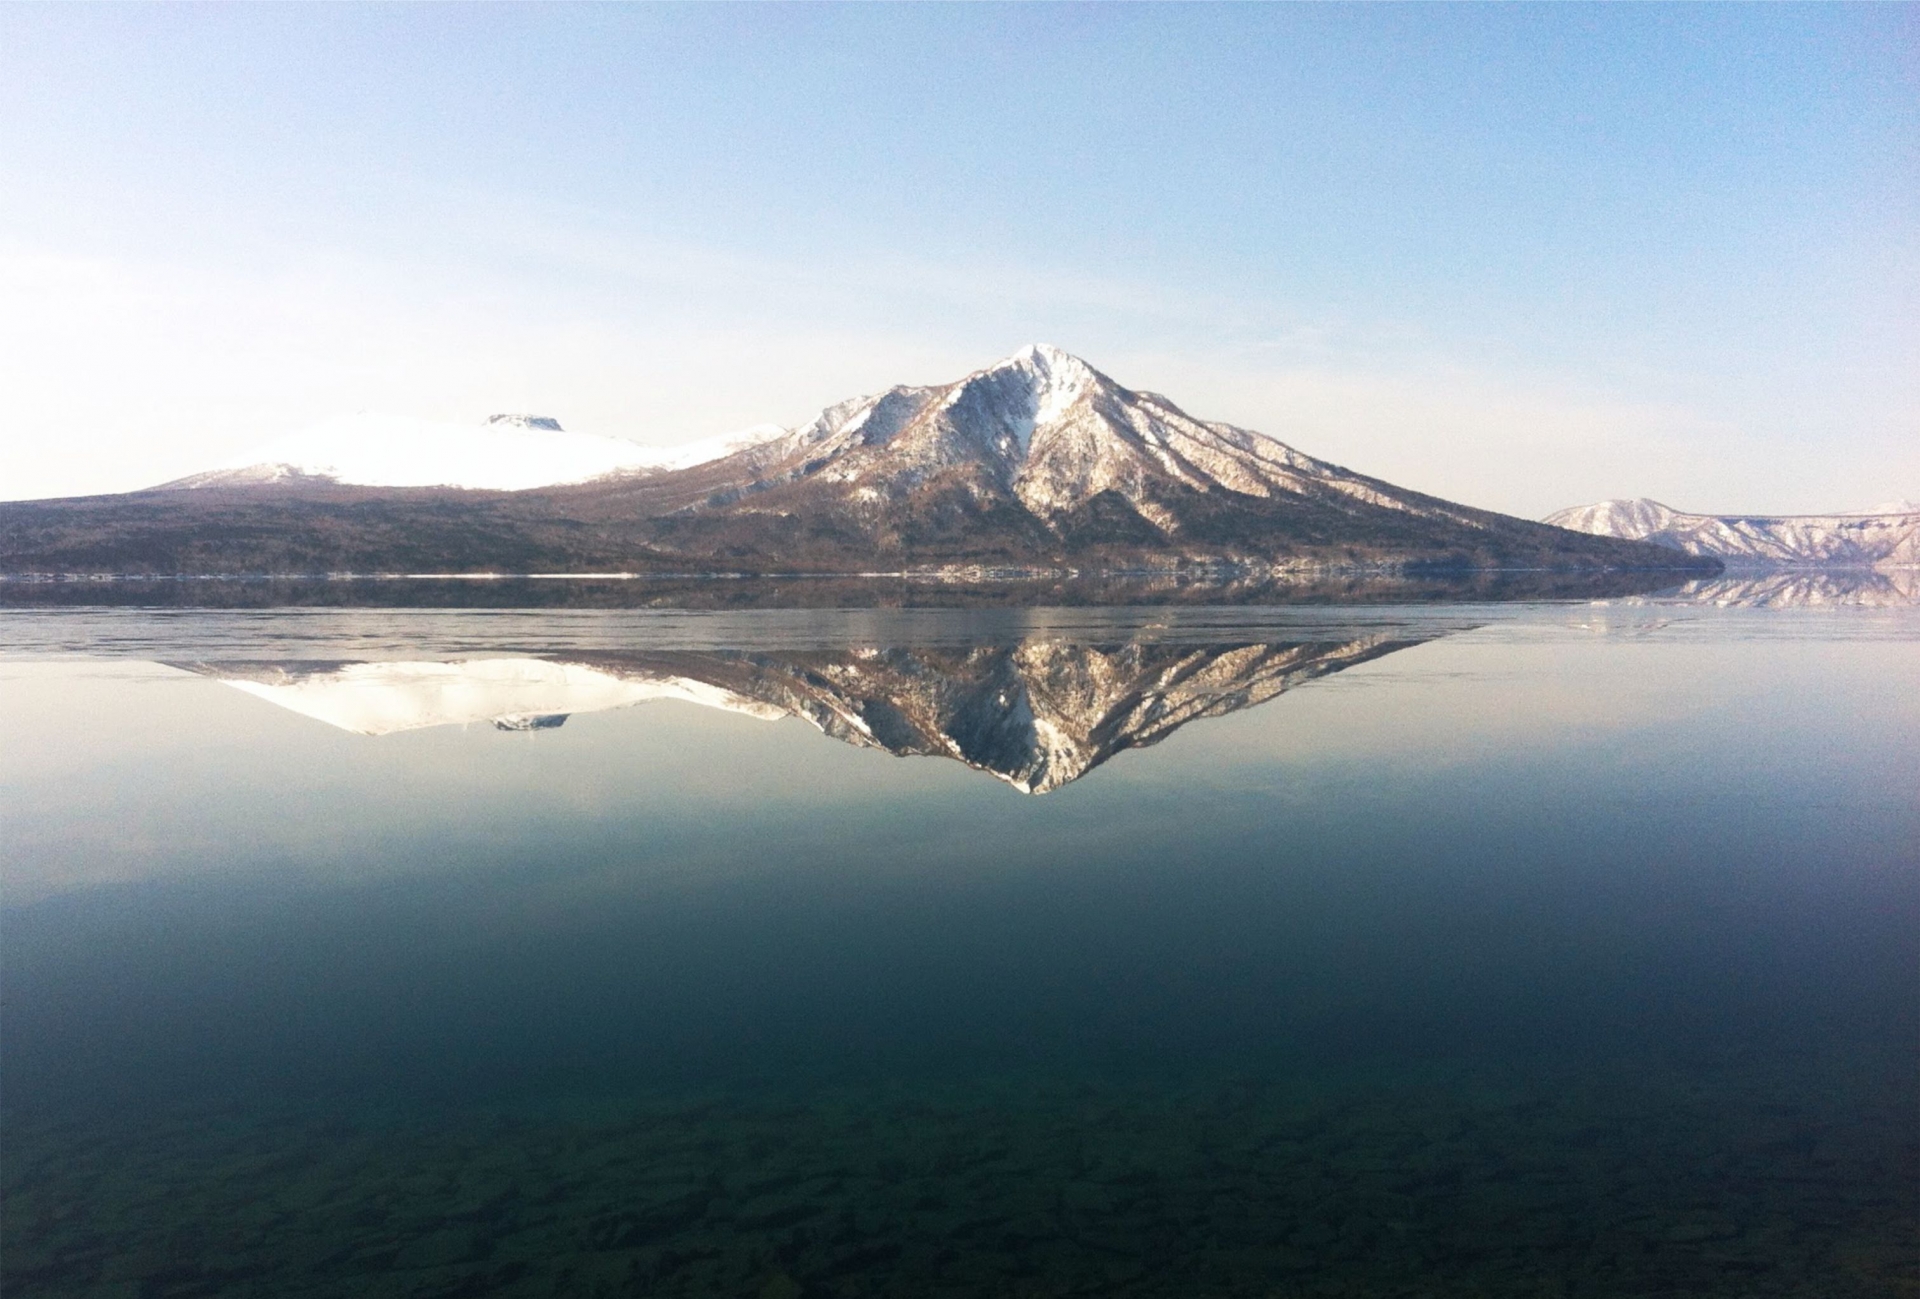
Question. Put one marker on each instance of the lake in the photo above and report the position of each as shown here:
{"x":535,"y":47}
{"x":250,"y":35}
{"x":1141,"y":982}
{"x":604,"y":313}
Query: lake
{"x":1550,"y":949}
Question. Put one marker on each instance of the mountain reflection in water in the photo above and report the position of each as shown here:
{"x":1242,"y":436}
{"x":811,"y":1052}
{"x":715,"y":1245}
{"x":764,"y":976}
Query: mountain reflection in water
{"x":1038,"y":713}
{"x":1804,"y":588}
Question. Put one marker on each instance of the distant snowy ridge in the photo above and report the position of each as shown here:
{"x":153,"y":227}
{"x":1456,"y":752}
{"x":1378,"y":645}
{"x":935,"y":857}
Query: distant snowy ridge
{"x":506,"y":453}
{"x":1882,"y":537}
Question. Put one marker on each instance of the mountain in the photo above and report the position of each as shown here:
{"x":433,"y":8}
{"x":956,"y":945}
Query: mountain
{"x":1885,"y":536}
{"x":1038,"y":714}
{"x":1040,"y":462}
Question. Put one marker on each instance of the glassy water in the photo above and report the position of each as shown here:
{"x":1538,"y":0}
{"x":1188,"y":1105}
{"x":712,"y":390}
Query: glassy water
{"x":1548,"y":949}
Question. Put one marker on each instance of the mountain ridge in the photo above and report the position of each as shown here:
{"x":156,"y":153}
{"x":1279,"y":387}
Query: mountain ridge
{"x":1866,"y":539}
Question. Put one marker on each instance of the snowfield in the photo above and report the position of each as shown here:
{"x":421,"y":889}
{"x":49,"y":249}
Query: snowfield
{"x":506,"y":453}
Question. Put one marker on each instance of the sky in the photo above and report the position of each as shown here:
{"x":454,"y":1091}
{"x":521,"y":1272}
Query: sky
{"x":1523,"y":257}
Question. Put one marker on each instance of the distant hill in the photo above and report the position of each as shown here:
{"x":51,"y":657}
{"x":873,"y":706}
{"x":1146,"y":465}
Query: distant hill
{"x":1040,"y":462}
{"x":1887,"y":536}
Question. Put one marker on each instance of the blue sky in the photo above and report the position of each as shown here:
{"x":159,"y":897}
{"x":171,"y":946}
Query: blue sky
{"x":1521,"y":256}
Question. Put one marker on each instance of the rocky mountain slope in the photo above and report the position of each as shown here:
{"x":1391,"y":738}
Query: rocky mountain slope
{"x":1037,"y":714}
{"x":1039,"y":461}
{"x":1890,"y":536}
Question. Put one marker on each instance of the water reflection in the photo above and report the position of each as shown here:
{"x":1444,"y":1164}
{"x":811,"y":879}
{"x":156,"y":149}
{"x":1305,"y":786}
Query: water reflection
{"x":1797,"y":588}
{"x":1571,"y":953}
{"x":1038,"y":713}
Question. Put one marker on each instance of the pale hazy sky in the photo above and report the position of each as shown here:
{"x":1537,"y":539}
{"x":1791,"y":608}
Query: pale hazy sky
{"x":1522,"y":257}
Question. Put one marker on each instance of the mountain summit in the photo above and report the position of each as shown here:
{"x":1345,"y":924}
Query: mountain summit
{"x":1049,"y":430}
{"x":1038,"y":462}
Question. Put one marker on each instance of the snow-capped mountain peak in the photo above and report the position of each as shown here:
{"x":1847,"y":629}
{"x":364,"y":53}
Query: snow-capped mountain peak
{"x":1053,"y":432}
{"x":1034,"y":387}
{"x":1057,"y":379}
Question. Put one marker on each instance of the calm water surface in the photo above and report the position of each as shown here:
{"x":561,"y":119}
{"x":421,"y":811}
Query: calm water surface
{"x":1477,"y":950}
